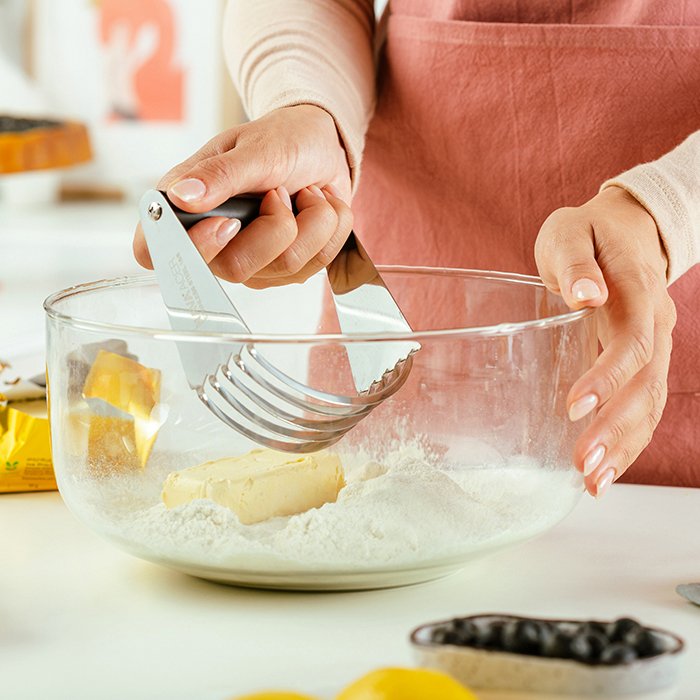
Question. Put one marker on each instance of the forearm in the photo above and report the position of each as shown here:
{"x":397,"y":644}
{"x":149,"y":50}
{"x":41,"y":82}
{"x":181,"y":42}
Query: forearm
{"x":669,"y":188}
{"x":282,"y":53}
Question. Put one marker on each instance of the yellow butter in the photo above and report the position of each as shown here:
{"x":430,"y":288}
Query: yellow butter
{"x":25,"y":448}
{"x":261,"y":484}
{"x":130,"y":391}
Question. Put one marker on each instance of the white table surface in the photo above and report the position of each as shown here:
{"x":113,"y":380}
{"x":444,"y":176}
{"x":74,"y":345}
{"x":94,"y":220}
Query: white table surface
{"x":81,"y":620}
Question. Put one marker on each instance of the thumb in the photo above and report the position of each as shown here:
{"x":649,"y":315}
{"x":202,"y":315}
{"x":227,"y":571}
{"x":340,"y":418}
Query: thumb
{"x":566,"y":261}
{"x":211,"y":181}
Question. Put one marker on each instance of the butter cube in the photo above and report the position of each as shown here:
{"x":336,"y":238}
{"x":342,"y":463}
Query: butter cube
{"x":123,"y":396}
{"x":261,"y":484}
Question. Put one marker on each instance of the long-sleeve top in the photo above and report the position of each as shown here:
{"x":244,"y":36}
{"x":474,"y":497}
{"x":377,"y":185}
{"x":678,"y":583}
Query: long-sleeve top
{"x":282,"y":53}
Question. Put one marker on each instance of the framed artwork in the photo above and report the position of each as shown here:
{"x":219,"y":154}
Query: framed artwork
{"x":145,"y":76}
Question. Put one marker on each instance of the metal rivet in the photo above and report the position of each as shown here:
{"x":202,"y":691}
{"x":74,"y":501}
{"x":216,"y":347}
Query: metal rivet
{"x":155,"y":211}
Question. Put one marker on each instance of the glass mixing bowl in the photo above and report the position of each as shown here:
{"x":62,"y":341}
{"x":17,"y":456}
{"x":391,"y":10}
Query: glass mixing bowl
{"x":473,"y":454}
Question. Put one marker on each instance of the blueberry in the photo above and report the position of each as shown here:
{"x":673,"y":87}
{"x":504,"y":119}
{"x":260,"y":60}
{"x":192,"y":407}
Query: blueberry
{"x":598,"y":641}
{"x":448,"y":636}
{"x":558,"y":645}
{"x":439,"y":634}
{"x":624,"y":630}
{"x":529,"y":637}
{"x":595,"y":626}
{"x":581,"y":648}
{"x":491,"y":635}
{"x":466,"y":628}
{"x":453,"y":637}
{"x":649,"y":644}
{"x":459,"y":632}
{"x":618,"y":653}
{"x":587,"y":646}
{"x":508,"y":636}
{"x":618,"y":642}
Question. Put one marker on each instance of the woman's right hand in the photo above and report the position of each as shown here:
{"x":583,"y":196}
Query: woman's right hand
{"x":295,"y":150}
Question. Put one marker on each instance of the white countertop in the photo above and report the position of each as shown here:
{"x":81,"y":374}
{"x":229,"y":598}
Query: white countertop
{"x":81,"y":620}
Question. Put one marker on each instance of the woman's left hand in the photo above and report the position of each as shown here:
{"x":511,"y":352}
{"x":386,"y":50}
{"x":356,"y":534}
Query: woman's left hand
{"x":607,"y":253}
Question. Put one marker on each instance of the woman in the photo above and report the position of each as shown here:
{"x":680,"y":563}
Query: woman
{"x":496,"y":120}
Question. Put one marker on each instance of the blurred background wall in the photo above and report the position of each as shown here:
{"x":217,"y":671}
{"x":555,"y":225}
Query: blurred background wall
{"x":145,"y":76}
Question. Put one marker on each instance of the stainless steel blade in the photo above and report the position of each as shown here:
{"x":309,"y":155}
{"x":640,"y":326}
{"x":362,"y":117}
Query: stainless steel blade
{"x":365,"y":305}
{"x":194,"y":298}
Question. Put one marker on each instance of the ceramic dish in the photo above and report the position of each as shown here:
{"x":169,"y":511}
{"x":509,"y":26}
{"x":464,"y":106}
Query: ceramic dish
{"x":490,"y":668}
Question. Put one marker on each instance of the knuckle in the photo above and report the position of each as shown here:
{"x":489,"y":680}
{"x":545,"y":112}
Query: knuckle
{"x":613,"y":380}
{"x":559,"y":220}
{"x":287,"y":228}
{"x":325,"y":219}
{"x":649,"y":276}
{"x":223,"y":141}
{"x":340,"y":222}
{"x":617,"y":431}
{"x":625,"y":453}
{"x":641,"y":347}
{"x":653,"y":419}
{"x":288,"y":263}
{"x":237,"y":269}
{"x":325,"y":256}
{"x":217,"y":169}
{"x":290,"y":260}
{"x":234,"y":274}
{"x":656,"y":395}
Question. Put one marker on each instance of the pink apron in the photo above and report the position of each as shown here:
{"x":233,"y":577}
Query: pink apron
{"x":509,"y":112}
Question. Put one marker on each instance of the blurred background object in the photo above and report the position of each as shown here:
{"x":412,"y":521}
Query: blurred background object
{"x":145,"y":76}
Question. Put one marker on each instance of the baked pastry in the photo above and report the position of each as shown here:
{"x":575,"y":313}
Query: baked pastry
{"x":36,"y":144}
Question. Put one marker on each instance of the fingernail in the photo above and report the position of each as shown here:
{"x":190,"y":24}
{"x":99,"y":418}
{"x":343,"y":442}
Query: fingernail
{"x":315,"y":190}
{"x":593,"y":459}
{"x":604,"y":481}
{"x":227,"y":231}
{"x":585,"y":290}
{"x":583,"y":406}
{"x":334,"y":191}
{"x":284,"y":196}
{"x":189,"y":190}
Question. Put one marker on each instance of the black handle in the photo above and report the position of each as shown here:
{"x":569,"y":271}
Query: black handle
{"x":245,"y":209}
{"x":351,"y":267}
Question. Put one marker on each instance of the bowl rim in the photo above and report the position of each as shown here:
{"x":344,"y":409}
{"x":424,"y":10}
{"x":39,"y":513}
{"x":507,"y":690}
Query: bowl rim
{"x":502,"y":329}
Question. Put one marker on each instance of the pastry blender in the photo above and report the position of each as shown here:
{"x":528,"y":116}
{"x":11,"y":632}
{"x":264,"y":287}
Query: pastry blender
{"x":250,"y":394}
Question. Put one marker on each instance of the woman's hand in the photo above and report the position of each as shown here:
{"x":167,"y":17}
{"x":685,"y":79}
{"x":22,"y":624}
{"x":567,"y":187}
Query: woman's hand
{"x":294,"y":150}
{"x":608,"y":254}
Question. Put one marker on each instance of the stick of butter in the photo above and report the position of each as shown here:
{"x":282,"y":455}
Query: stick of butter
{"x":25,"y":449}
{"x":261,"y":484}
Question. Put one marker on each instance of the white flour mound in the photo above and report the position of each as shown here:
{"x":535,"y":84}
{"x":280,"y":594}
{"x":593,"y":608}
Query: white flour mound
{"x":397,"y":515}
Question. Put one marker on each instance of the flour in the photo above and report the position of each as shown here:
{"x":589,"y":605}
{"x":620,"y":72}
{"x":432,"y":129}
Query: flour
{"x":400,"y":513}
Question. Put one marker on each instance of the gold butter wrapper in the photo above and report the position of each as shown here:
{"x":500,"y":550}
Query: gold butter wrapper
{"x":25,"y":448}
{"x":124,"y":415}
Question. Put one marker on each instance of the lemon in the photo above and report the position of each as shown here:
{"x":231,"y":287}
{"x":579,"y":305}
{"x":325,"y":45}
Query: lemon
{"x":406,"y":684}
{"x":275,"y":695}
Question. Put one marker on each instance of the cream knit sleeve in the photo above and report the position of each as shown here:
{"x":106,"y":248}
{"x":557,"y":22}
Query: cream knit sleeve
{"x":282,"y":53}
{"x":669,"y":188}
